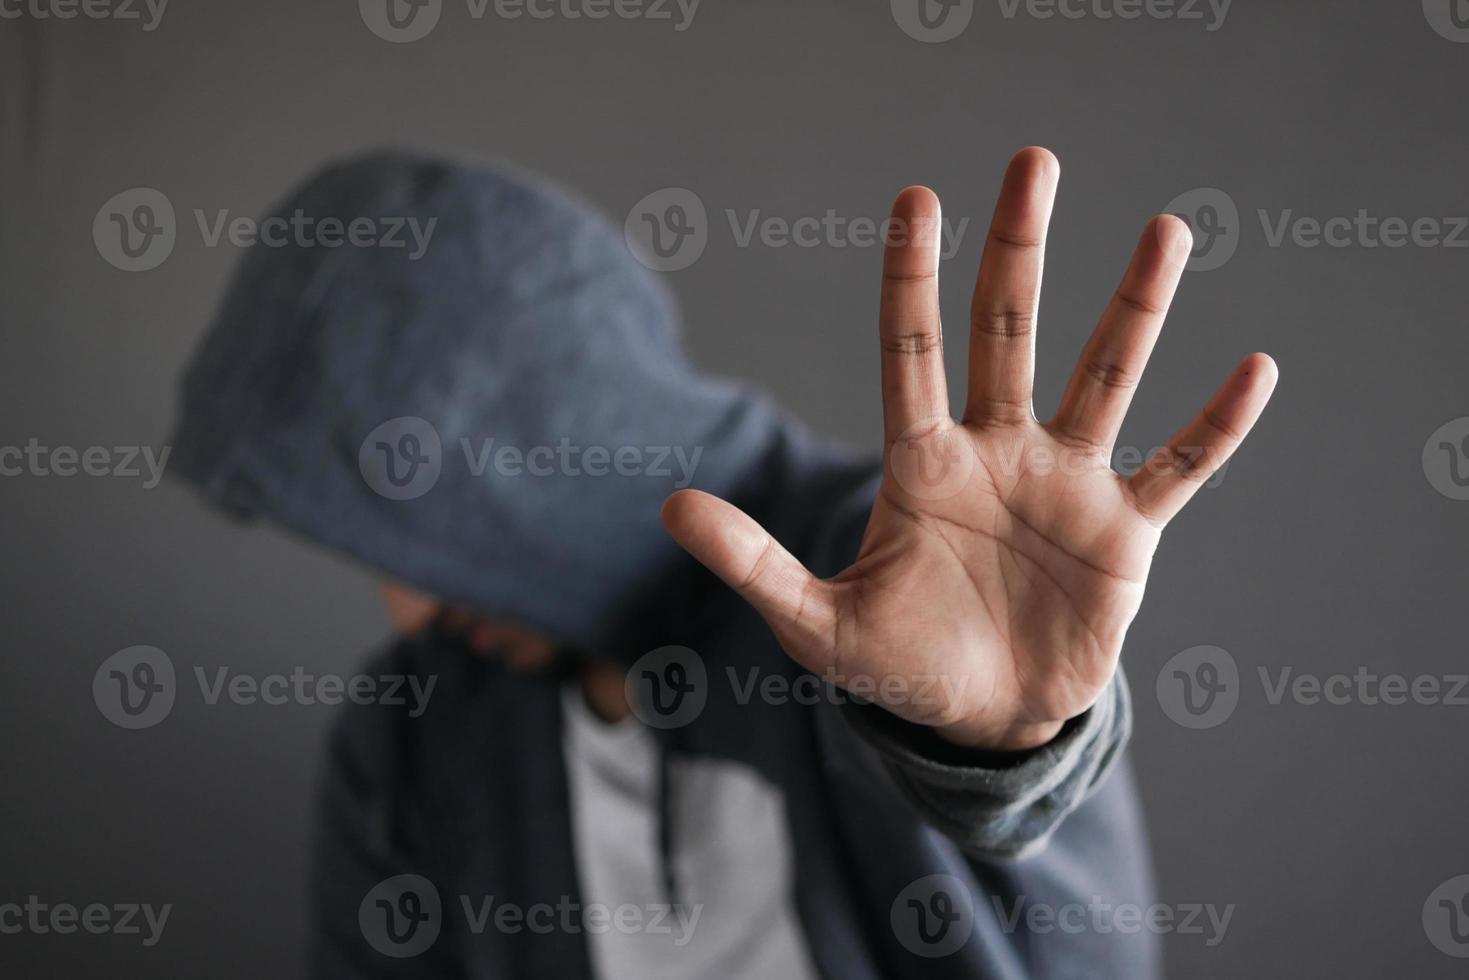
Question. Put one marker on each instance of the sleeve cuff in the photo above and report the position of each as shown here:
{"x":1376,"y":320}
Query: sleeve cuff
{"x":998,"y":804}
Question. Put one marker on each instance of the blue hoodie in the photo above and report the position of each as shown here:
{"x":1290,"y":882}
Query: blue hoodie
{"x":495,"y":422}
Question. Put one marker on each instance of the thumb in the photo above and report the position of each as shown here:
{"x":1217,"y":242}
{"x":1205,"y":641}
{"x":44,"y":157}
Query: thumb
{"x":729,"y":543}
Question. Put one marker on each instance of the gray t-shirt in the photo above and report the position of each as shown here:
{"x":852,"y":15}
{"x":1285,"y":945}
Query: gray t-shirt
{"x":731,"y":853}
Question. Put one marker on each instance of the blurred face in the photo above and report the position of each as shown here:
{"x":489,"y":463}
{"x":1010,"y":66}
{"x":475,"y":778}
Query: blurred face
{"x":522,"y":648}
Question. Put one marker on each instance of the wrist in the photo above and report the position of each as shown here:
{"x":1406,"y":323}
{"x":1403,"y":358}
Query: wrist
{"x":1015,"y":737}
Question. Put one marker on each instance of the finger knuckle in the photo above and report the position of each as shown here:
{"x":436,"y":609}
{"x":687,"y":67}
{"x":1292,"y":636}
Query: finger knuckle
{"x":1004,"y":323}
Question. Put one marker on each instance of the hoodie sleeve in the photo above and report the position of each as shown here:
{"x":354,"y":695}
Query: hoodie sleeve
{"x":998,"y":805}
{"x":993,"y":805}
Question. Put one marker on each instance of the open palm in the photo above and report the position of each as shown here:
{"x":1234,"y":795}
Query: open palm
{"x":1004,"y":559}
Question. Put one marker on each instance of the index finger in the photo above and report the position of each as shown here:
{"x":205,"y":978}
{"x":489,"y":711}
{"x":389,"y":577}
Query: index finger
{"x":914,"y":390}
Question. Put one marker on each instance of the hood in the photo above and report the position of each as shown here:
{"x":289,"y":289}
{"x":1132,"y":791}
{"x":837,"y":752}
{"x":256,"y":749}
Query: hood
{"x":493,"y":417}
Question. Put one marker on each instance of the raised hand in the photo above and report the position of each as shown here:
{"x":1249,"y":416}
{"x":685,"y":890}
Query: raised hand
{"x":1003,"y":556}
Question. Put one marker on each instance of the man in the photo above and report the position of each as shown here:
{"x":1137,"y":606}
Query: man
{"x":490,"y":426}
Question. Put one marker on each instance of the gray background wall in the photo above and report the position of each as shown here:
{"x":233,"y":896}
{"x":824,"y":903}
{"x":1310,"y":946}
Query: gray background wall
{"x":1326,"y":548}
